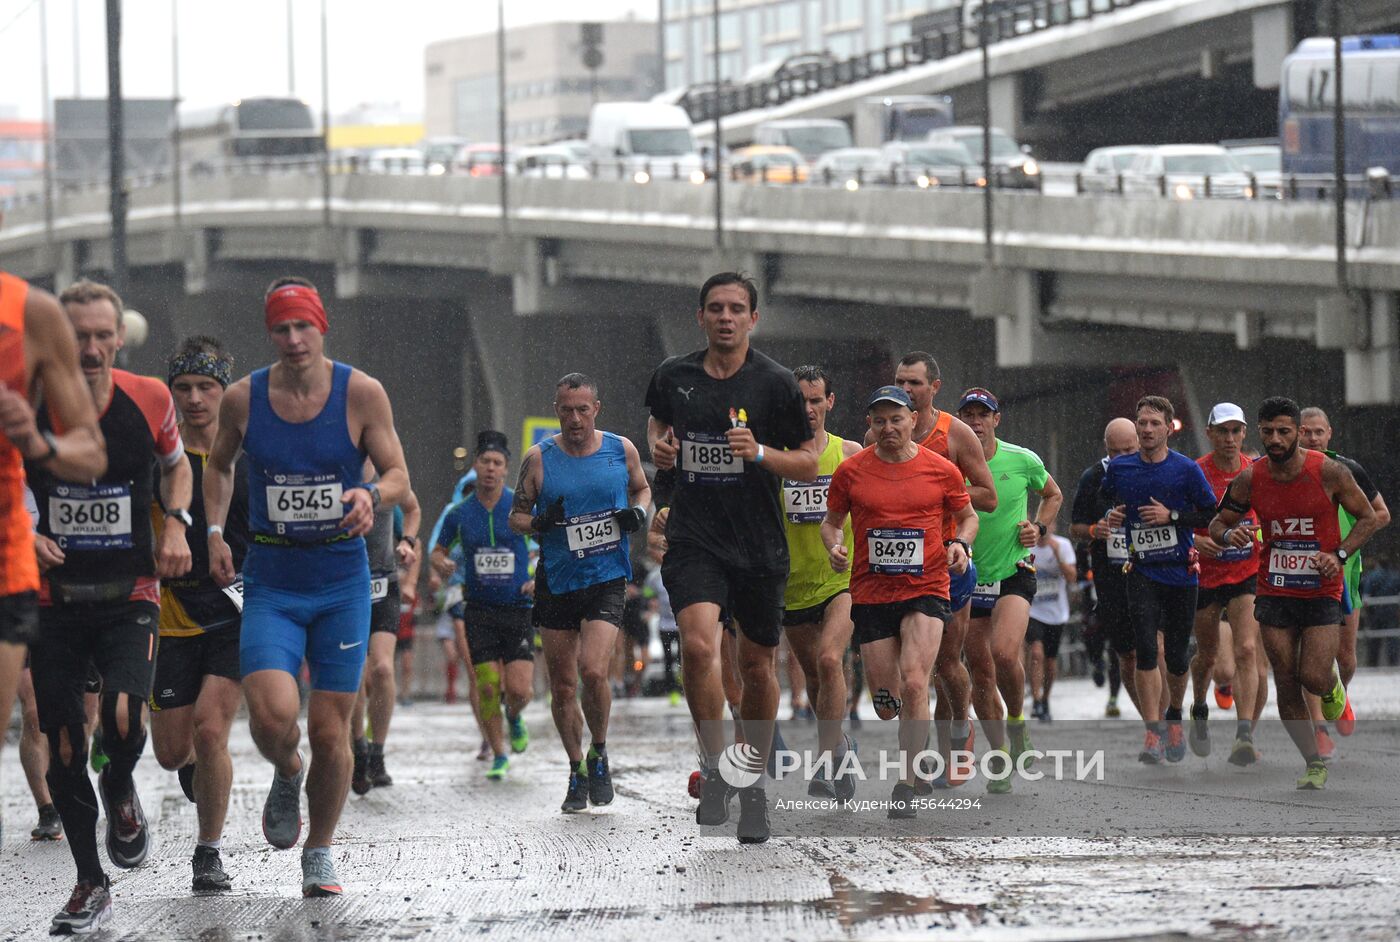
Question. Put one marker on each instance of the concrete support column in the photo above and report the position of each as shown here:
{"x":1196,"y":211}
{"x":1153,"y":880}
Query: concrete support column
{"x":1373,"y":374}
{"x":499,"y":338}
{"x":1008,"y":106}
{"x":1272,"y":40}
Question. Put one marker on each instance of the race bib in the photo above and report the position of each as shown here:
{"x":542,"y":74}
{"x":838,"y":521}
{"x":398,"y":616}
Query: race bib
{"x":985,"y":594}
{"x":806,"y":503}
{"x":234,"y":591}
{"x":305,"y":505}
{"x":707,"y":459}
{"x":592,"y":534}
{"x":379,"y":589}
{"x":1291,"y":564}
{"x":1117,"y":544}
{"x":1152,"y":543}
{"x":91,"y":518}
{"x":493,"y":566}
{"x":895,"y":551}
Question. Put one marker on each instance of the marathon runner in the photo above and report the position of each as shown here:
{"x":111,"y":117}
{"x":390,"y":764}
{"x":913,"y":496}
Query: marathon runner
{"x":949,"y":437}
{"x":1315,"y":432}
{"x":732,"y":422}
{"x":1295,"y":493}
{"x":37,"y":350}
{"x":100,"y":601}
{"x":391,"y":544}
{"x":1055,"y":572}
{"x":497,"y":588}
{"x":307,"y":424}
{"x":1001,"y":601}
{"x":1108,"y":549}
{"x":583,"y":493}
{"x":197,"y":682}
{"x":817,"y":601}
{"x":1162,"y":496}
{"x":1227,"y":579}
{"x":899,"y":497}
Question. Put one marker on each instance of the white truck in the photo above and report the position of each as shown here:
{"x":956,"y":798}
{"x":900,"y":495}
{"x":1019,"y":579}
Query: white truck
{"x":883,"y":119}
{"x":643,"y":140}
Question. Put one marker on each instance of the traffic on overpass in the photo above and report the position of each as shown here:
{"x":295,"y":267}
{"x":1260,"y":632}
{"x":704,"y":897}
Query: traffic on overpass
{"x":844,"y":469}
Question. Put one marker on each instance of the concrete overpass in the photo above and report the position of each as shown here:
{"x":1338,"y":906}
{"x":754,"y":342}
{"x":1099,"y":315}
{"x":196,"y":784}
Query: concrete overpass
{"x":469,"y":321}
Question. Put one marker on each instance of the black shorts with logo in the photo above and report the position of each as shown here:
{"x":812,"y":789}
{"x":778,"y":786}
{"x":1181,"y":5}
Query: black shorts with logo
{"x":119,"y":638}
{"x":19,"y":617}
{"x":1223,"y":594}
{"x":1047,"y":634}
{"x":384,"y":613}
{"x":568,"y":612}
{"x":499,"y":633}
{"x":1021,"y":583}
{"x":1111,"y":612}
{"x":1280,"y":611}
{"x":810,"y":616}
{"x":182,"y":663}
{"x":694,"y":575}
{"x":877,"y":622}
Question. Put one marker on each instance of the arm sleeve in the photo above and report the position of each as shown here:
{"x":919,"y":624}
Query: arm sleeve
{"x":1084,"y":510}
{"x":657,"y":402}
{"x":838,"y":495}
{"x":1363,"y":480}
{"x":1203,"y":504}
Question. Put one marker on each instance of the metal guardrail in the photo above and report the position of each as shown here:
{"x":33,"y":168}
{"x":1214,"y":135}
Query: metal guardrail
{"x":1006,"y":19}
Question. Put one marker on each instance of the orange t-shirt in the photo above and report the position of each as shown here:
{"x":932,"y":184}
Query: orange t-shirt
{"x":898,"y":512}
{"x":19,"y":571}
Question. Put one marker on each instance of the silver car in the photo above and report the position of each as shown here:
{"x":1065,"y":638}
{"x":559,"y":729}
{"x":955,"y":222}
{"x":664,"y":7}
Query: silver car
{"x":1104,"y":167}
{"x":1187,"y":172}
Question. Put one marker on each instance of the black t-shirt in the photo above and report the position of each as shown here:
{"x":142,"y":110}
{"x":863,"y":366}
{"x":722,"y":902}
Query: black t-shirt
{"x":1090,"y":506}
{"x":1363,"y":480}
{"x":728,"y":506}
{"x":203,"y":600}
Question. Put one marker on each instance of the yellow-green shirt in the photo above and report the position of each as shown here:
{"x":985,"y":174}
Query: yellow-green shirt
{"x":811,"y":580}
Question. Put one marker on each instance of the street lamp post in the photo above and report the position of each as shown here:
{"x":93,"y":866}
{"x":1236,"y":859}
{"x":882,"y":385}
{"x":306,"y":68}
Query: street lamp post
{"x":987,"y":203}
{"x":719,"y":142}
{"x":46,"y":114}
{"x":1339,"y":151}
{"x":116,"y":145}
{"x":325,"y":119}
{"x":176,"y":192}
{"x":501,"y":112}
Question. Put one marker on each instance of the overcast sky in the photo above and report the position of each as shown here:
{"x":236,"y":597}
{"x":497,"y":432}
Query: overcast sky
{"x":238,"y":49}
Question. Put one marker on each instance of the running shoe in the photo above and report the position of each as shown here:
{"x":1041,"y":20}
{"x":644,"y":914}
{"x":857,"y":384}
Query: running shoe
{"x":88,"y":908}
{"x":97,"y":756}
{"x":819,"y":786}
{"x":1035,"y":709}
{"x":1019,"y":741}
{"x":1243,"y":753}
{"x":693,"y":786}
{"x":845,"y":783}
{"x":576,"y":798}
{"x":1099,"y":676}
{"x":854,"y":719}
{"x":600,"y":786}
{"x":1151,"y":749}
{"x":50,"y":826}
{"x":484,"y":752}
{"x":281,"y":819}
{"x":209,"y":873}
{"x":714,"y":800}
{"x":1200,"y":730}
{"x":1315,"y":778}
{"x":1334,"y":702}
{"x":1045,"y":711}
{"x":1111,"y":710}
{"x":186,"y":776}
{"x":128,"y":837}
{"x":674,"y":697}
{"x":318,"y":877}
{"x":378,"y":775}
{"x":499,"y":767}
{"x":1224,"y":696}
{"x":519,"y":734}
{"x":1326,"y":748}
{"x":902,"y":802}
{"x":753,"y":815}
{"x":1176,"y":742}
{"x":968,"y":745}
{"x":1001,"y":784}
{"x":1346,"y":723}
{"x":359,"y":773}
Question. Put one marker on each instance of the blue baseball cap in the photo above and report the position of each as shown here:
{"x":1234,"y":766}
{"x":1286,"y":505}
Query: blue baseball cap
{"x":980,"y":396}
{"x":890,"y":394}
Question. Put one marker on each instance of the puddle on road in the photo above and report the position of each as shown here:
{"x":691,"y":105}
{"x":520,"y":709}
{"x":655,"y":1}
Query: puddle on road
{"x":849,"y":905}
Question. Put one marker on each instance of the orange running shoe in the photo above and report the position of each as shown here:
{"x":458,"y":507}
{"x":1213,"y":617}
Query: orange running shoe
{"x":697,"y":779}
{"x":965,"y":746}
{"x":1346,"y":723}
{"x":1326,"y":748}
{"x":1224,"y":696}
{"x":1151,"y":749}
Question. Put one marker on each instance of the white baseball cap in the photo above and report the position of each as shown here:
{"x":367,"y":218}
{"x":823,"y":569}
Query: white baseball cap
{"x":1226,"y":412}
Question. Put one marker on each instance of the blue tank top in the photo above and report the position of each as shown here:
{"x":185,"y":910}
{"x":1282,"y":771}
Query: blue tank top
{"x":297,"y":474}
{"x":591,"y":548}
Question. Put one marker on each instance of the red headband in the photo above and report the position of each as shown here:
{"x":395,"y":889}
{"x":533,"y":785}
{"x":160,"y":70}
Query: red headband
{"x":296,"y":303}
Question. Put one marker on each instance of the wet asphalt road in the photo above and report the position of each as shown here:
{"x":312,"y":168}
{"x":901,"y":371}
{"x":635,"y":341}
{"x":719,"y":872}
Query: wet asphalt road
{"x":1194,"y":850}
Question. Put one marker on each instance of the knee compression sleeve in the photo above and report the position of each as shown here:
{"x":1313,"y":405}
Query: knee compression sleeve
{"x":488,"y":682}
{"x":123,"y":751}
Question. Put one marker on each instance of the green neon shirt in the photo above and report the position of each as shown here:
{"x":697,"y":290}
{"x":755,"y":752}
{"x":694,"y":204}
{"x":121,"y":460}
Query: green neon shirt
{"x":1016,"y":472}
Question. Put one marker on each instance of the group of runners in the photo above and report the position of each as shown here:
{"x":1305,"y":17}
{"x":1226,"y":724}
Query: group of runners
{"x":205,"y":540}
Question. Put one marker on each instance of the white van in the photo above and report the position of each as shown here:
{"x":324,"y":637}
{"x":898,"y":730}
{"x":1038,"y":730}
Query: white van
{"x":642,"y":140}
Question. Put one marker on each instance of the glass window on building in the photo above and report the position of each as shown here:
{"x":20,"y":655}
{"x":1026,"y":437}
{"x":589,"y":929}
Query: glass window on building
{"x":777,"y":52}
{"x":675,"y":74}
{"x":729,"y":28}
{"x":844,"y":11}
{"x":474,"y":104}
{"x":844,"y":45}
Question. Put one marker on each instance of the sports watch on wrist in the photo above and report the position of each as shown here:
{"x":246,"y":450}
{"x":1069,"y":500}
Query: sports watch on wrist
{"x":182,"y":515}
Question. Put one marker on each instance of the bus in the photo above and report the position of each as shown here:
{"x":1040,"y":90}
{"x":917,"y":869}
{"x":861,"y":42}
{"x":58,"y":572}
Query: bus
{"x":253,"y":130}
{"x":1370,"y":96}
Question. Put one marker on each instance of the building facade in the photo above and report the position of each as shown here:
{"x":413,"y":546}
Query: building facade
{"x":758,"y":32}
{"x":549,"y":90}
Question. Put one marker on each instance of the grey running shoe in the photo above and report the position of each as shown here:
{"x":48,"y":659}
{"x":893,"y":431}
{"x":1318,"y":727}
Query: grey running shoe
{"x":282,"y":811}
{"x":50,"y":826}
{"x":318,"y":877}
{"x":88,"y":908}
{"x":753,"y":815}
{"x":209,"y":873}
{"x":1200,"y":731}
{"x":128,"y":837}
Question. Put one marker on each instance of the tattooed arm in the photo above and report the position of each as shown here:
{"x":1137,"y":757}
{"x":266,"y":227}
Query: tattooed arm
{"x":527,"y":491}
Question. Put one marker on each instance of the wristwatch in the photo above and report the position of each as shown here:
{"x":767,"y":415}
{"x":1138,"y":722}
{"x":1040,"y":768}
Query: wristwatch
{"x":182,"y":515}
{"x":410,"y":540}
{"x":1040,"y":527}
{"x":1175,"y":516}
{"x":963,"y":543}
{"x":374,"y":495}
{"x":1341,"y":554}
